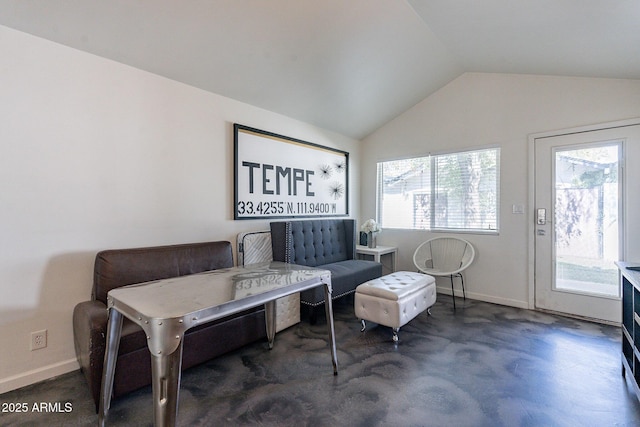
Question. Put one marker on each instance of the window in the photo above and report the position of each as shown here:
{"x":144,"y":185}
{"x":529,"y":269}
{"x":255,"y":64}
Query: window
{"x":454,"y":191}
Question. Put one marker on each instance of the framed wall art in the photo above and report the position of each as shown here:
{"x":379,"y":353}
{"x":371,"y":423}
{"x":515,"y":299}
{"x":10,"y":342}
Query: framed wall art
{"x":281,"y":177}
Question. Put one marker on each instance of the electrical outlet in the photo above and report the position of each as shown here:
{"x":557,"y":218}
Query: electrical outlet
{"x":38,"y":339}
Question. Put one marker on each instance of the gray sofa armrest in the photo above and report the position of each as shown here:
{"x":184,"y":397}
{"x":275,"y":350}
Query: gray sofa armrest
{"x":279,"y":245}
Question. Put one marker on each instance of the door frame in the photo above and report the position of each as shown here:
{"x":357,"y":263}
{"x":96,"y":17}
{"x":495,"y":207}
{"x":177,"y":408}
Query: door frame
{"x":530,"y":217}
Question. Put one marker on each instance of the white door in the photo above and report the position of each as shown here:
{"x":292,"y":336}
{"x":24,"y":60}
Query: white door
{"x":579,"y":216}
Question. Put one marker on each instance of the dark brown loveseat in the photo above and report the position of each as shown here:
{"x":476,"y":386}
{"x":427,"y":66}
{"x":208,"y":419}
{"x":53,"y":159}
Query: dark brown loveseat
{"x":120,"y":267}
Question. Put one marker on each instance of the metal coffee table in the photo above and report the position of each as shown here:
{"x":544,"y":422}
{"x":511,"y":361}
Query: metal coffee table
{"x":165,"y":309}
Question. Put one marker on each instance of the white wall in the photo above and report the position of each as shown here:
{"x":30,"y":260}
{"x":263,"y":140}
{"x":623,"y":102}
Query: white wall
{"x":97,"y":155}
{"x":493,"y":109}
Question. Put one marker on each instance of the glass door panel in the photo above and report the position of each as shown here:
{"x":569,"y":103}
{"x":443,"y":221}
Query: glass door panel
{"x":586,"y":223}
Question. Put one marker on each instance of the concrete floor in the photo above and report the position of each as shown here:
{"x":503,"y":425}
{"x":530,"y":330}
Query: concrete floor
{"x":482,"y":365}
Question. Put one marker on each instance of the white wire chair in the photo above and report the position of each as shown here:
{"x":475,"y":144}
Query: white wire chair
{"x":445,"y":256}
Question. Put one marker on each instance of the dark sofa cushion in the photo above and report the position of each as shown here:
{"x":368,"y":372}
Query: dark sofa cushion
{"x":345,"y":277}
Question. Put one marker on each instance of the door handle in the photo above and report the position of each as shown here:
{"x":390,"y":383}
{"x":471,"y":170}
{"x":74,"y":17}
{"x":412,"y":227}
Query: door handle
{"x":541,"y":216}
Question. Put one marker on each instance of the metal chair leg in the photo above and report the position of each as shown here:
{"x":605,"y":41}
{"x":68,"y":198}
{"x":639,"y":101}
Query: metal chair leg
{"x":464,"y":295}
{"x":453,"y":293}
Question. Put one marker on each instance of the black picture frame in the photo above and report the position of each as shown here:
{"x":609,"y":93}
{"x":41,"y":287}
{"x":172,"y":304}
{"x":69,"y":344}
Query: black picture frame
{"x":277,"y":176}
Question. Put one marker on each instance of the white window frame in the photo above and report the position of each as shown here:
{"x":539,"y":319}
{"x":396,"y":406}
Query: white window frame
{"x":432,"y":157}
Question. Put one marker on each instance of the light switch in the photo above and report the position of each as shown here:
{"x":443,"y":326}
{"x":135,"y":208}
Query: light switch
{"x":517,"y":209}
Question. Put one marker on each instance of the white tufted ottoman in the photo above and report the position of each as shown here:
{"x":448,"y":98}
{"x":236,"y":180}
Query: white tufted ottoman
{"x":393,"y":300}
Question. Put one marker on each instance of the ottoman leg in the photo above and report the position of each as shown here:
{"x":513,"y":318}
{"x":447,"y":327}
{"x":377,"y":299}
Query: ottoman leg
{"x":364,"y":326}
{"x":395,"y":334}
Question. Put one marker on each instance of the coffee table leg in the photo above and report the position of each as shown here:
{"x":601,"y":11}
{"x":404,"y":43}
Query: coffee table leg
{"x":114,"y":328}
{"x":165,"y":379}
{"x":270,"y":320}
{"x":328,"y":306}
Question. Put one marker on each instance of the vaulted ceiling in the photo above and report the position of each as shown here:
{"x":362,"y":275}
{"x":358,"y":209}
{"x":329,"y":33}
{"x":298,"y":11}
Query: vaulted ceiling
{"x":345,"y":65}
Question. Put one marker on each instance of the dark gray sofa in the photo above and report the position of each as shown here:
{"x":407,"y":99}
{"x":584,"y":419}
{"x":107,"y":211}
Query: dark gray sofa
{"x":325,"y":243}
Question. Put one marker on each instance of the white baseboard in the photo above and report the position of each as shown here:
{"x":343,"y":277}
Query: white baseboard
{"x":486,"y":298}
{"x":37,"y":375}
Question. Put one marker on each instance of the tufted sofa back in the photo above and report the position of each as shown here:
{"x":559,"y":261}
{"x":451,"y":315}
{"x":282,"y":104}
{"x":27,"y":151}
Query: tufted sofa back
{"x":313,"y":242}
{"x":120,"y":267}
